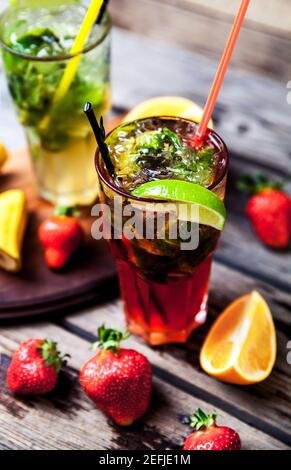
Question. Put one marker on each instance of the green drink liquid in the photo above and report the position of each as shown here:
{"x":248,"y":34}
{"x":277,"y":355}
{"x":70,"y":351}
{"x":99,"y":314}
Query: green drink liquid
{"x":37,"y":43}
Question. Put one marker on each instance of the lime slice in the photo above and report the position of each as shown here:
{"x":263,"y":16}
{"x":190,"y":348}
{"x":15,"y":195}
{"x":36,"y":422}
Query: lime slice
{"x":211,"y":211}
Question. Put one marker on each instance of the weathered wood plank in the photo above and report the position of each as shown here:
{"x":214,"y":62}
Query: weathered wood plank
{"x":271,"y":16}
{"x":252,"y":114}
{"x":227,"y":284}
{"x":239,"y":246}
{"x":204,"y":31}
{"x":66,"y":419}
{"x":265,"y":404}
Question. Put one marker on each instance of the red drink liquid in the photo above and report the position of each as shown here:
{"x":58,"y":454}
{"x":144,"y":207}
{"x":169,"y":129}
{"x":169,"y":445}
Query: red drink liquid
{"x":164,"y":312}
{"x":164,"y":288}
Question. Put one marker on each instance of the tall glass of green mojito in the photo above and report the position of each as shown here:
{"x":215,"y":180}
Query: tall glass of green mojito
{"x":163,"y":212}
{"x":36,"y":39}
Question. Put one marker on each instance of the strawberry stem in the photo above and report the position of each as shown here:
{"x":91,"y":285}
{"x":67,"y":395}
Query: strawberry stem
{"x":201,"y":420}
{"x":110,"y":339}
{"x":51,"y":355}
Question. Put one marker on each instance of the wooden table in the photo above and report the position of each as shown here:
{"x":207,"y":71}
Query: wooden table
{"x":254,"y":119}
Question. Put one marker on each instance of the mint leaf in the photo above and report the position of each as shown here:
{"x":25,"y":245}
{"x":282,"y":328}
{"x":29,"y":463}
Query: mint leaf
{"x":41,"y":41}
{"x":172,"y":138}
{"x":206,"y":155}
{"x":149,"y":141}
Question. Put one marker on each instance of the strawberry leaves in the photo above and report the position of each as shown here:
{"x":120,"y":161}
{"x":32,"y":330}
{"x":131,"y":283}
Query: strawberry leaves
{"x":66,"y":211}
{"x":110,"y":339}
{"x":256,"y":184}
{"x":49,"y":352}
{"x":201,"y":420}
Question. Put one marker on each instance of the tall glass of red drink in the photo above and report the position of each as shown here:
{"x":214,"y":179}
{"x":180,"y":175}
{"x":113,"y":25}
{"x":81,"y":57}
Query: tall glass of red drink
{"x":164,"y":287}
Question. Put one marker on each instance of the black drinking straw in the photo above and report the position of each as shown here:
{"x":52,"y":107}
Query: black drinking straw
{"x":102,"y":11}
{"x":100,"y":135}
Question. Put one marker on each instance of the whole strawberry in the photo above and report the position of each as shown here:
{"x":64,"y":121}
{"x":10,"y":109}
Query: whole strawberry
{"x":34,"y":367}
{"x":209,"y":436}
{"x":60,"y":235}
{"x":269,"y":210}
{"x":119,"y":381}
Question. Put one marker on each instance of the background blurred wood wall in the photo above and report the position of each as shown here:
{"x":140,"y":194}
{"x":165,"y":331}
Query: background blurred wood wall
{"x":271,"y":13}
{"x":202,"y":26}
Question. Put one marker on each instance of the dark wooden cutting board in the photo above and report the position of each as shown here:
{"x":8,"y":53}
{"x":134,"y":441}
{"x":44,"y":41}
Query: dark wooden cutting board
{"x":36,"y":289}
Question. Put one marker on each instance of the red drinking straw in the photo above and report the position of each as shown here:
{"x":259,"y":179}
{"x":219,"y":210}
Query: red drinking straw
{"x":211,"y":102}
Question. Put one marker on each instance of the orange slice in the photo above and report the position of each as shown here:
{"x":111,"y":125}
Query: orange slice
{"x":241,"y":347}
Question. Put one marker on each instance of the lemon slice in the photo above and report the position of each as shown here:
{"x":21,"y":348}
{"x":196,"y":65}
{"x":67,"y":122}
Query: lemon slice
{"x":13,"y":216}
{"x":211,"y":210}
{"x":3,"y":155}
{"x":241,"y":345}
{"x":167,"y":106}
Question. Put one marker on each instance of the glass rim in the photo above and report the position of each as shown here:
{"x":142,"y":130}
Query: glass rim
{"x":103,"y":173}
{"x":56,"y":58}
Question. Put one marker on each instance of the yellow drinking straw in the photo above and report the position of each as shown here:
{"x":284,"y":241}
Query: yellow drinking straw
{"x":72,"y":66}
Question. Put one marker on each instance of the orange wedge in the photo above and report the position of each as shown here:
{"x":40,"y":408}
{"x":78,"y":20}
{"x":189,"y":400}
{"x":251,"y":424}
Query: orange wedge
{"x":241,"y":347}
